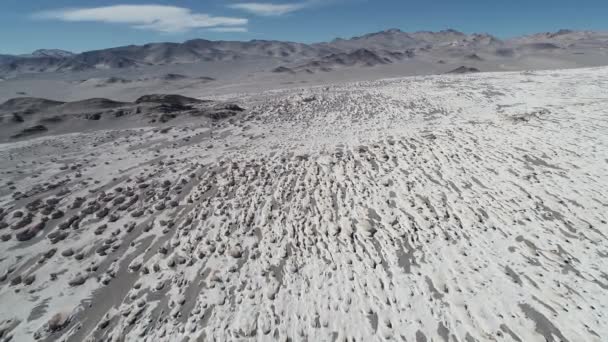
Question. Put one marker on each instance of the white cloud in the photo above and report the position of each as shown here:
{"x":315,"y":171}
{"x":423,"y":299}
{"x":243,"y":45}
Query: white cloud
{"x":229,"y":29}
{"x":268,"y":9}
{"x":150,"y":17}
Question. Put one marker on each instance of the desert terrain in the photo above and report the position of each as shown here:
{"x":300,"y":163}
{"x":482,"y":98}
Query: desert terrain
{"x":450,"y":207}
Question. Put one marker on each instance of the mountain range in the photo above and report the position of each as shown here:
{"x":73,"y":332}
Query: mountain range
{"x":372,"y":49}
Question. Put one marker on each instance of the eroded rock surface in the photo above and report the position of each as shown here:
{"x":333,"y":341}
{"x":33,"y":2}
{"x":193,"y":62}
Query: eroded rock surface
{"x":418,"y":209}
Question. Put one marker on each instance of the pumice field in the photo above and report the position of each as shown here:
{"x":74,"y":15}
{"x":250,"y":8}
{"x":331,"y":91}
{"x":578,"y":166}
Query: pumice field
{"x":455,"y":207}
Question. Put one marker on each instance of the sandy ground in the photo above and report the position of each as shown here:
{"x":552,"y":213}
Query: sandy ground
{"x":435,"y":208}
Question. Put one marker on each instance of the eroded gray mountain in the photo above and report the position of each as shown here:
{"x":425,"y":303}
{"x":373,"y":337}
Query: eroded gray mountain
{"x":384,"y":47}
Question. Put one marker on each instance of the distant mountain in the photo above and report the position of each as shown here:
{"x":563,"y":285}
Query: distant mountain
{"x":55,"y":53}
{"x":395,"y":39}
{"x":7,"y":58}
{"x":372,"y":49}
{"x":359,"y":58}
{"x":566,"y":39}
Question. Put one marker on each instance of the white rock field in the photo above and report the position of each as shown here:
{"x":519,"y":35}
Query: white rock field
{"x":436,"y":208}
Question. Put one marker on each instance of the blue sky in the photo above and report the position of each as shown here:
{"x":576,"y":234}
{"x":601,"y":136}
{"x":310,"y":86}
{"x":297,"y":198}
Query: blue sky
{"x":78,"y":25}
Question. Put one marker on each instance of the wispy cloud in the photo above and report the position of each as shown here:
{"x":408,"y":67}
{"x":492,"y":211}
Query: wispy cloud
{"x":270,"y":9}
{"x":149,"y":17}
{"x":229,"y":29}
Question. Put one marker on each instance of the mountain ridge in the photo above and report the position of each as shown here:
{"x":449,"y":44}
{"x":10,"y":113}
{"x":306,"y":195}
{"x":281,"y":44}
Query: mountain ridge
{"x":448,"y":41}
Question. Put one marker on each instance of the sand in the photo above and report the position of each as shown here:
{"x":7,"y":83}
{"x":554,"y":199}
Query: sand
{"x":433,"y":208}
